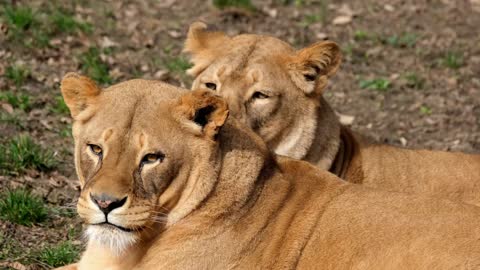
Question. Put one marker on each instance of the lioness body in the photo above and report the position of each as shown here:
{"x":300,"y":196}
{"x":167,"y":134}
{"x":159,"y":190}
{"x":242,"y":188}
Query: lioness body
{"x":277,"y":91}
{"x":194,"y":189}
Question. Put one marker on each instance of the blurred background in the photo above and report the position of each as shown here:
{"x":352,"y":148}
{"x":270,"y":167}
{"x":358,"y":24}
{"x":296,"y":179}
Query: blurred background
{"x":410,"y":77}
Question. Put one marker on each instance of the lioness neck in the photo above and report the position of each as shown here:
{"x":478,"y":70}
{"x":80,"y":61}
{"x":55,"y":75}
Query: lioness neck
{"x":326,"y":142}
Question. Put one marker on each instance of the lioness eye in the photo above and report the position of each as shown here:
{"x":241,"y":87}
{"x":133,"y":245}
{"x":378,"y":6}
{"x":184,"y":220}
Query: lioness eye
{"x":97,"y":150}
{"x":151,"y":158}
{"x":259,"y":95}
{"x":210,"y":85}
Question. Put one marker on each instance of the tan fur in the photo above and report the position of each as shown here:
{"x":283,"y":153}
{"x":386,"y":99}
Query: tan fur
{"x":296,"y":121}
{"x":220,"y":200}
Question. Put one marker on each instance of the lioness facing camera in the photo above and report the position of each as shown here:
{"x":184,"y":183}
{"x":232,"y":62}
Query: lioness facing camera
{"x":169,"y":181}
{"x":277,"y":91}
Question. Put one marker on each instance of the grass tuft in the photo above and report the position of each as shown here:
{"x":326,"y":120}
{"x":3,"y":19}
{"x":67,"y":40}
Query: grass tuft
{"x":60,"y":107}
{"x":94,"y":67}
{"x":379,"y":84}
{"x":20,"y":154}
{"x":406,"y":40}
{"x":453,"y":60}
{"x":59,"y":255}
{"x":19,"y":18}
{"x":245,"y":4}
{"x":17,"y":74}
{"x":21,"y":207}
{"x":64,"y":22}
{"x":178,"y":65}
{"x":20,"y":101}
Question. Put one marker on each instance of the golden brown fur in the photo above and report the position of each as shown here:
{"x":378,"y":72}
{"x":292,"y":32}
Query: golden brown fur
{"x":219,"y":200}
{"x":277,"y":91}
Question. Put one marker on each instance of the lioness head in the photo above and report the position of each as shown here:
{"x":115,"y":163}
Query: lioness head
{"x":270,"y":86}
{"x":145,"y":155}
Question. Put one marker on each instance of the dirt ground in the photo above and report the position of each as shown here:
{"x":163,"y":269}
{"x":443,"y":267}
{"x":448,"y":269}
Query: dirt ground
{"x":410,"y":77}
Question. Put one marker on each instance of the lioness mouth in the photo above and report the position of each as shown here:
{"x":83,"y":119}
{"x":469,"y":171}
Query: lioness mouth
{"x":108,"y":224}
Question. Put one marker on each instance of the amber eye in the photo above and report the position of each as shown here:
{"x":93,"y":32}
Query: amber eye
{"x":152,"y":158}
{"x":97,"y":150}
{"x":210,"y":85}
{"x":259,"y":95}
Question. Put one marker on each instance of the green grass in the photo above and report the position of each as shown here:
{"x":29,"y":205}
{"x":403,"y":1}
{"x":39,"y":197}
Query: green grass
{"x":17,"y":74}
{"x":245,"y":4}
{"x":59,"y":255}
{"x":414,"y":80}
{"x":378,"y":84}
{"x":177,"y":65}
{"x":21,"y":207}
{"x":425,"y":110}
{"x":453,"y":60}
{"x":13,"y":119}
{"x":59,"y":107}
{"x":20,"y":154}
{"x":65,"y":22}
{"x":405,"y":40}
{"x":361,"y":35}
{"x":19,"y":18}
{"x":94,"y":67}
{"x":20,"y":101}
{"x":35,"y":28}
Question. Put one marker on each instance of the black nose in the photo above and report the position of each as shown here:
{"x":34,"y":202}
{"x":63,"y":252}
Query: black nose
{"x":107,"y":203}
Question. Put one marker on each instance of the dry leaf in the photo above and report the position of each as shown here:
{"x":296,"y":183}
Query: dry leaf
{"x":7,"y":107}
{"x":345,"y":119}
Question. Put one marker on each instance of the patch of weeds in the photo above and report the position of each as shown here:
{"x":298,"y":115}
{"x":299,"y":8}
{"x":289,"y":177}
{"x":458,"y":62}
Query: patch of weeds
{"x":17,"y":74}
{"x":245,"y":4}
{"x":361,"y":35}
{"x":425,"y":110}
{"x":60,"y":107}
{"x":21,"y":153}
{"x":378,"y":84}
{"x":453,"y":60}
{"x":19,"y":18}
{"x":21,"y":207}
{"x":406,"y":40}
{"x":94,"y":67}
{"x":178,"y":65}
{"x":13,"y":119}
{"x":66,"y":132}
{"x":65,"y":22}
{"x":347,"y":49}
{"x":59,"y":255}
{"x":414,"y":81}
{"x":9,"y":248}
{"x":20,"y":101}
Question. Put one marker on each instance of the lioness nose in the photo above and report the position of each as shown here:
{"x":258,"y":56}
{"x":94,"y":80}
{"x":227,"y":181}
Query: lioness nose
{"x":107,"y":203}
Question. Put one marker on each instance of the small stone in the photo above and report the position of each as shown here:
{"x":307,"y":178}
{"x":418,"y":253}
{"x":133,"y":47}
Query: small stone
{"x":403,"y":141}
{"x":389,"y":8}
{"x":342,"y":20}
{"x":321,"y":36}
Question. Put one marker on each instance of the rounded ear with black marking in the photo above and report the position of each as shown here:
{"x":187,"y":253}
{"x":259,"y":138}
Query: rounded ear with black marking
{"x":79,"y":93}
{"x":203,"y":46}
{"x":202,"y":113}
{"x":311,"y":67}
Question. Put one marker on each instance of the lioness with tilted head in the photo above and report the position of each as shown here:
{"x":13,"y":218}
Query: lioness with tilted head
{"x":277,"y":91}
{"x":170,"y":181}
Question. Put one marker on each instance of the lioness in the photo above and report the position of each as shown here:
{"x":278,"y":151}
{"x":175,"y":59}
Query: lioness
{"x":277,"y":91}
{"x":169,"y":181}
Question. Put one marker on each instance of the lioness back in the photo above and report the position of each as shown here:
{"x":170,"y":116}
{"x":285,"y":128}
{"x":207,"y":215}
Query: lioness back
{"x":456,"y":176}
{"x":277,"y":91}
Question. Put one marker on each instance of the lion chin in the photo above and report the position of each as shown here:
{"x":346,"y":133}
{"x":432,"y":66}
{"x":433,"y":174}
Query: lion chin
{"x":112,"y":238}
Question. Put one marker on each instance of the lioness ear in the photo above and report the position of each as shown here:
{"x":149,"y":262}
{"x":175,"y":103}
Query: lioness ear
{"x":312,"y":66}
{"x":202,"y":112}
{"x":203,"y":46}
{"x":79,"y":92}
